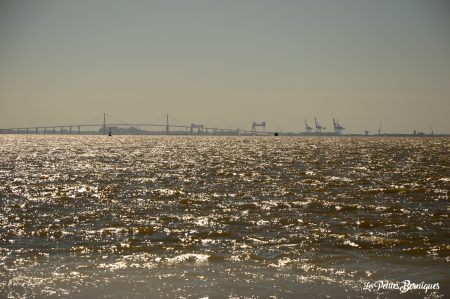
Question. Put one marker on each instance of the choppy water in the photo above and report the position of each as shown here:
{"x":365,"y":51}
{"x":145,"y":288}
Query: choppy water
{"x":97,"y":216}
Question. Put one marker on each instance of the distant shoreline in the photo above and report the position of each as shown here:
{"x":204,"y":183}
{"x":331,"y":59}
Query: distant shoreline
{"x":240,"y":134}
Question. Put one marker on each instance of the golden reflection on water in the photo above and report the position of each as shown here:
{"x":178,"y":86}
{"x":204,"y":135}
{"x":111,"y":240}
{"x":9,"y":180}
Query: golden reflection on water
{"x":220,"y":215}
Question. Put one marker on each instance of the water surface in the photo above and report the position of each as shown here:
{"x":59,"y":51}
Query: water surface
{"x":98,"y":216}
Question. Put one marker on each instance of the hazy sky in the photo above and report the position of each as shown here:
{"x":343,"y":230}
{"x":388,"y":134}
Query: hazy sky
{"x":226,"y":63}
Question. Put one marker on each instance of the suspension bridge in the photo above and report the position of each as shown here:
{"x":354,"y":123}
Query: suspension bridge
{"x":132,"y":129}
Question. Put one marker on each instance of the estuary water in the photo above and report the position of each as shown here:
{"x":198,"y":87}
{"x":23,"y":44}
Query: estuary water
{"x":224,"y":217}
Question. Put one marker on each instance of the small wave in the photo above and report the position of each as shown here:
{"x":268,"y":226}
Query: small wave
{"x":197,"y":259}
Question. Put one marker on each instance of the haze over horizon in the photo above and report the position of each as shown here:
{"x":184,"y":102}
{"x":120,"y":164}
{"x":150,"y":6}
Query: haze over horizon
{"x":227,"y":63}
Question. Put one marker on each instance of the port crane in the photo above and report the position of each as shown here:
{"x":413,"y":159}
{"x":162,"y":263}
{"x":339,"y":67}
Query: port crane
{"x":198,"y":127}
{"x":319,"y":127}
{"x":308,"y":128}
{"x":255,"y":125}
{"x":337,"y":127}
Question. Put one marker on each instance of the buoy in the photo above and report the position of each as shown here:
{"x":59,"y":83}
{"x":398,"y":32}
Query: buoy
{"x":109,"y":134}
{"x":276,"y":134}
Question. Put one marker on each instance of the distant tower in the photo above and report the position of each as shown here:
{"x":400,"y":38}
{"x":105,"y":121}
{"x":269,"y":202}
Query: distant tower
{"x":167,"y":124}
{"x":104,"y":123}
{"x":379,"y":129}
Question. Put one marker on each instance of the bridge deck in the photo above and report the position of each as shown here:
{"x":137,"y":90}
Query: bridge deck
{"x":140,"y":128}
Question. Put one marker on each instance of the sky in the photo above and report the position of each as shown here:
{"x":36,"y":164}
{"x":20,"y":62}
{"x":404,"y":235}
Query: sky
{"x":227,"y":63}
